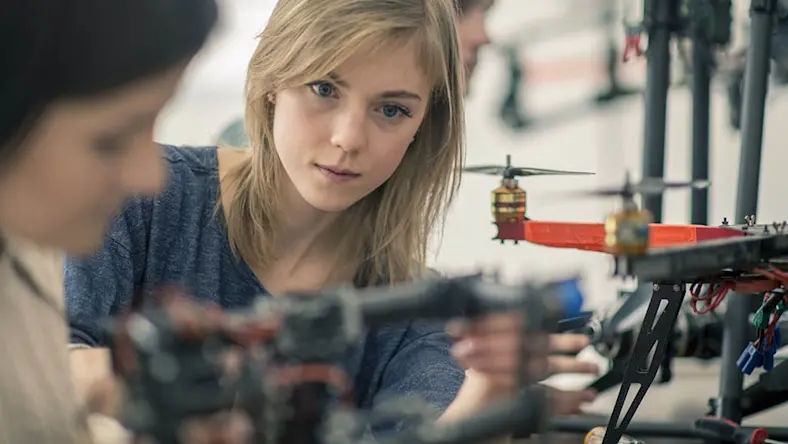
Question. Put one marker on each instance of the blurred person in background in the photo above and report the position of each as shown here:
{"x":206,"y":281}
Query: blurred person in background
{"x":471,"y":22}
{"x":472,"y":31}
{"x":80,"y":89}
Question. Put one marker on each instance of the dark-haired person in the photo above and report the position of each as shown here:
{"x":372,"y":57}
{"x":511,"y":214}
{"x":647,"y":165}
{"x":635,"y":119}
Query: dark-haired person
{"x":80,"y":89}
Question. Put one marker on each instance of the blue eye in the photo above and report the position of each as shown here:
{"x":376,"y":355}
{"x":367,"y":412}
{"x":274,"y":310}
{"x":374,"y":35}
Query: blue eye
{"x":322,"y":89}
{"x":394,"y":111}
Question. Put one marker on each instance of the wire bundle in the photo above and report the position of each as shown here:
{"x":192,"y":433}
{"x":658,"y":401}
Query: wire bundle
{"x":758,"y":353}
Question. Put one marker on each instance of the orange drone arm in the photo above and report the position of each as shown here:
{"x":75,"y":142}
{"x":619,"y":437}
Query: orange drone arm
{"x":591,"y":236}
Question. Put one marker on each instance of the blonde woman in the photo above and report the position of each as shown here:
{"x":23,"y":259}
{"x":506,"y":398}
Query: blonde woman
{"x":355,"y":115}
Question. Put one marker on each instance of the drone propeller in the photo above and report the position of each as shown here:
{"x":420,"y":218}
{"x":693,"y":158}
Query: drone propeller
{"x":510,"y":172}
{"x":647,"y":186}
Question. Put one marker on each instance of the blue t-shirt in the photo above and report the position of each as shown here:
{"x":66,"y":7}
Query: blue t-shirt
{"x":178,"y":238}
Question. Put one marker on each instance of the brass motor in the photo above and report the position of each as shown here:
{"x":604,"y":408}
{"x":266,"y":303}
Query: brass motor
{"x":626,"y":232}
{"x":508,"y":202}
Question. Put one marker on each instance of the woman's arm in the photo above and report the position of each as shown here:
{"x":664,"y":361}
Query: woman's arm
{"x":422,"y":366}
{"x":99,"y":286}
{"x":471,"y":398}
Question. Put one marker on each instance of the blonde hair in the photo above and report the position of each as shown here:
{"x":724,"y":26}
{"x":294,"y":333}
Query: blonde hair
{"x":305,"y":40}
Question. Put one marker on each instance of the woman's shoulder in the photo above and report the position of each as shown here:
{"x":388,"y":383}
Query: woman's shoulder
{"x":196,"y":168}
{"x":187,"y":203}
{"x":190,"y":160}
{"x":192,"y":182}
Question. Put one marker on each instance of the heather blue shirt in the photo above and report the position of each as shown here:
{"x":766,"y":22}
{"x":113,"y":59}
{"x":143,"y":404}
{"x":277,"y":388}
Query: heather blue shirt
{"x":177,"y":238}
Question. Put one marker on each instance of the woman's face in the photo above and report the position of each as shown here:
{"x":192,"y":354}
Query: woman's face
{"x":341,"y":137}
{"x":81,"y":161}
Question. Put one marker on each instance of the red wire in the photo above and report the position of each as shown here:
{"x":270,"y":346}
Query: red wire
{"x":713,"y":298}
{"x":770,"y":330}
{"x":716,"y":293}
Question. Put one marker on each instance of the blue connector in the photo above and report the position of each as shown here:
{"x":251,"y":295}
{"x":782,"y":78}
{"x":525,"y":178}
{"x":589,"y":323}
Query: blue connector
{"x":750,"y":359}
{"x":571,"y":298}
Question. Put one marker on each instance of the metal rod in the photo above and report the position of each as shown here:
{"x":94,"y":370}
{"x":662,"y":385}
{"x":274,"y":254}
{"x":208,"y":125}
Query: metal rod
{"x":734,"y":339}
{"x":755,"y":88}
{"x":638,"y":429}
{"x":756,"y":78}
{"x":701,"y":81}
{"x":659,"y":18}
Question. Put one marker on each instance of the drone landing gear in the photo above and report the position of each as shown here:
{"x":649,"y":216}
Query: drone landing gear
{"x":647,"y":355}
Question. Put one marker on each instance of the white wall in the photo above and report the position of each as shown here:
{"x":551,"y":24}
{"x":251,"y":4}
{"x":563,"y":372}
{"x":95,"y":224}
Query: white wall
{"x":212,"y":91}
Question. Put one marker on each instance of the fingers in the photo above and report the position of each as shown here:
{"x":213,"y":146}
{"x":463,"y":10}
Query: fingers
{"x":569,"y":402}
{"x":499,"y":357}
{"x":566,"y":364}
{"x":507,"y":323}
{"x":494,"y":346}
{"x":568,"y":344}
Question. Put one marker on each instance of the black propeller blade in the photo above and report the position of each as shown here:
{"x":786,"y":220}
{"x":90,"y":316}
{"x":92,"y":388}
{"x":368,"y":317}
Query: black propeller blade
{"x":509,"y":171}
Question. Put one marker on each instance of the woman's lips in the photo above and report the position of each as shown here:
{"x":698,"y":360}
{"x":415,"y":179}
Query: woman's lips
{"x":336,"y":174}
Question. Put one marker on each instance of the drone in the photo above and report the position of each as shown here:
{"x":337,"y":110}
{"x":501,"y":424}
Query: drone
{"x":627,"y":231}
{"x":748,"y":258}
{"x":289,"y":382}
{"x":754,"y":262}
{"x":709,"y":261}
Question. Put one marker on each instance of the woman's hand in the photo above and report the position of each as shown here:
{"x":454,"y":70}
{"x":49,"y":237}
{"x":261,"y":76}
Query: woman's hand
{"x":491,"y":347}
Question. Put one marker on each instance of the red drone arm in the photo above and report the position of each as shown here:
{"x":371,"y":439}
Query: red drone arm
{"x":591,"y":236}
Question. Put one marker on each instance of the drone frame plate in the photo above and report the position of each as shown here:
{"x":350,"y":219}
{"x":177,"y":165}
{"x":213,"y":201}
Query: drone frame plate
{"x":712,"y":259}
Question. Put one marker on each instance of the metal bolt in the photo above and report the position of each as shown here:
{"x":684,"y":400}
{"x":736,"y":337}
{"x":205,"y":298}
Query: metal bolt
{"x":676,"y":288}
{"x":655,"y":287}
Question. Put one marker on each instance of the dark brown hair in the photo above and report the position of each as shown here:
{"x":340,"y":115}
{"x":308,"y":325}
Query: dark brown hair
{"x":54,"y":49}
{"x":463,"y":5}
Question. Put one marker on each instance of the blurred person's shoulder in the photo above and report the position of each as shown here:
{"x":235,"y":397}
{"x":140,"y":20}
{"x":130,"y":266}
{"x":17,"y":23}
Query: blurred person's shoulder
{"x":37,"y":268}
